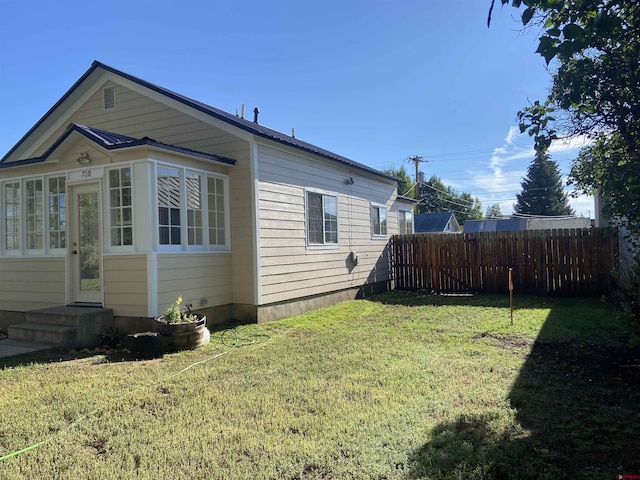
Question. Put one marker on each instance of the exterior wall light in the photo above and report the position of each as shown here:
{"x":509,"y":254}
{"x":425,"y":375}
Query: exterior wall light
{"x":83,"y":159}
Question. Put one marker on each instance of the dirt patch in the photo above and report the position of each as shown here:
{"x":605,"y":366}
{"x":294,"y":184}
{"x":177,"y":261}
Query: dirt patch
{"x":508,"y":342}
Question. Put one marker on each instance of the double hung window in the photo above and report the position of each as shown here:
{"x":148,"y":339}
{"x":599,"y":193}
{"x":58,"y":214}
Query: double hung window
{"x":405,"y":222}
{"x":322,"y":219}
{"x":379,"y":220}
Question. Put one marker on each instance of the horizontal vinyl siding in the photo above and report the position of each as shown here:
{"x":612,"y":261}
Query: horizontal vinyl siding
{"x":291,"y":270}
{"x":139,"y":116}
{"x":31,"y":283}
{"x":194,"y":276}
{"x":125,"y":284}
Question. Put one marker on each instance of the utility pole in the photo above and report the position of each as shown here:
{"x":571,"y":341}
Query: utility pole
{"x":416,"y":160}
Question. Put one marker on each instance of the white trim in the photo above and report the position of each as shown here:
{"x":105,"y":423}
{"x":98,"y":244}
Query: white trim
{"x":152,"y":284}
{"x":403,"y":211}
{"x":378,"y":236}
{"x":255,"y":222}
{"x":98,"y":185}
{"x":321,"y":246}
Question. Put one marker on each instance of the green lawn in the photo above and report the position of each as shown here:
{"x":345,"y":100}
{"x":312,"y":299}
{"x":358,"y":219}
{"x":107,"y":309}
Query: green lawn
{"x":401,"y":386}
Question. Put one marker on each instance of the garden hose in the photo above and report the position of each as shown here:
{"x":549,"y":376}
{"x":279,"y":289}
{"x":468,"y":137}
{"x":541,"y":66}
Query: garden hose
{"x":229,"y":338}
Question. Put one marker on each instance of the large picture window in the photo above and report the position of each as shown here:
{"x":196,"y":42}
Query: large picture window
{"x":322,"y":219}
{"x":379,"y":220}
{"x":120,"y":207}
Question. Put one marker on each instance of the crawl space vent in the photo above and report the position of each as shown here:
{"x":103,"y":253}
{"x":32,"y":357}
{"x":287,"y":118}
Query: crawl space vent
{"x":109,"y":98}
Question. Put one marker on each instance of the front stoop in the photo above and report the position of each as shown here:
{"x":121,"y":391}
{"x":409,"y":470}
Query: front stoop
{"x":72,"y":327}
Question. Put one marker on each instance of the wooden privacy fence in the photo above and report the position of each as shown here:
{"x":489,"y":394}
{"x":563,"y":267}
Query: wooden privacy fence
{"x":563,"y":262}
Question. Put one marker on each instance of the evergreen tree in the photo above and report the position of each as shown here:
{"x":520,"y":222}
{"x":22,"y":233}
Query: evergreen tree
{"x":542,"y":192}
{"x":494,"y":211}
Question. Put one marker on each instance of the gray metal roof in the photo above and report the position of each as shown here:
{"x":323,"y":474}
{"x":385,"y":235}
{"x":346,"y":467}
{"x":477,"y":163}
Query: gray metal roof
{"x":114,"y":141}
{"x":249,"y":126}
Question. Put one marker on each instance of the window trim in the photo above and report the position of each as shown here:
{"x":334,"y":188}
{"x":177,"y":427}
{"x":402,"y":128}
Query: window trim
{"x":324,"y":245}
{"x":204,"y":195}
{"x":47,"y":220}
{"x":3,"y":218}
{"x":372,"y":209}
{"x":108,"y":209}
{"x":403,"y":212}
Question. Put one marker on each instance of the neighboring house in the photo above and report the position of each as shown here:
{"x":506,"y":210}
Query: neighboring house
{"x":127,"y":195}
{"x":444,"y":222}
{"x":525,"y":223}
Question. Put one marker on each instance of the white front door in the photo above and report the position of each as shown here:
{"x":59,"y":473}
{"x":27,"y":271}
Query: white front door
{"x":85,"y":245}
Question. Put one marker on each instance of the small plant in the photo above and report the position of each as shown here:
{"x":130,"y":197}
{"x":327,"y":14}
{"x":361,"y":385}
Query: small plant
{"x":178,"y":314}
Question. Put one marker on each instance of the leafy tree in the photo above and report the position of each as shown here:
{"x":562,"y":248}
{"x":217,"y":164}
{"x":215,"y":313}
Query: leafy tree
{"x":406,"y":188}
{"x":494,"y":211}
{"x":595,"y":47}
{"x":542,"y":192}
{"x":437,"y":197}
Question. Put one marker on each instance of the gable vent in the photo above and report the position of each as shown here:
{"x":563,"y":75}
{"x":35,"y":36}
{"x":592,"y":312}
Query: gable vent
{"x":109,"y":97}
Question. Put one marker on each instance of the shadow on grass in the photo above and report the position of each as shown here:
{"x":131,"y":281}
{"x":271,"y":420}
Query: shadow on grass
{"x":575,"y":406}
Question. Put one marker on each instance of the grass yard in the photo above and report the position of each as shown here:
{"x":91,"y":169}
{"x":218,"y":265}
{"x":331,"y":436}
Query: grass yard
{"x":403,"y":386}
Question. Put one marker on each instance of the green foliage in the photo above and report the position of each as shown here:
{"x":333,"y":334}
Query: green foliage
{"x":176,"y":313}
{"x":436,"y":197}
{"x":494,"y":211}
{"x":542,"y":192}
{"x":406,"y":188}
{"x":595,"y":49}
{"x":605,"y":166}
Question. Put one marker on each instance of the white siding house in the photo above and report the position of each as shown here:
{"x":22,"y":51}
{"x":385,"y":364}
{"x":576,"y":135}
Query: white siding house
{"x":128,"y":195}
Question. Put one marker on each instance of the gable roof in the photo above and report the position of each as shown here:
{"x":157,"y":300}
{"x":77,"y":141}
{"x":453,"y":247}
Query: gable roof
{"x":432,"y":222}
{"x":113,"y":141}
{"x":236,"y":121}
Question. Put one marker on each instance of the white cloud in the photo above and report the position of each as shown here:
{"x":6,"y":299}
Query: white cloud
{"x":572,"y":143}
{"x":583,"y":205}
{"x":500,"y":178}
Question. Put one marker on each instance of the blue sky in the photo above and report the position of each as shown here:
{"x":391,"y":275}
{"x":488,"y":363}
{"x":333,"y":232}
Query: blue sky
{"x":375,"y":81}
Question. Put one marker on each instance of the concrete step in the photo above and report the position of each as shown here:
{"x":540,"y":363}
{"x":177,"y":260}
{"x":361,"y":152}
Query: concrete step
{"x":58,"y":335}
{"x":66,"y":326}
{"x":70,"y":316}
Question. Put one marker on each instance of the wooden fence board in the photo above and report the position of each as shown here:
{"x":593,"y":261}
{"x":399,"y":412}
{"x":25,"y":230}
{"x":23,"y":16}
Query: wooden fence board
{"x":558,"y":262}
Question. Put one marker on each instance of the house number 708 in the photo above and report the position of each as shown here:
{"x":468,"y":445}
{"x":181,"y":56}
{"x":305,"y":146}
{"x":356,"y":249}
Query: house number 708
{"x":86,"y":173}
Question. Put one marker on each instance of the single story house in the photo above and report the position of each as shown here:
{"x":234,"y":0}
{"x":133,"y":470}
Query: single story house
{"x":443,"y":222}
{"x":127,"y":195}
{"x":513,"y":224}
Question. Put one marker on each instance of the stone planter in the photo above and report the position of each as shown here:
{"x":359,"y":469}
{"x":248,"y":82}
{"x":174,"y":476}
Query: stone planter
{"x":183,"y":336}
